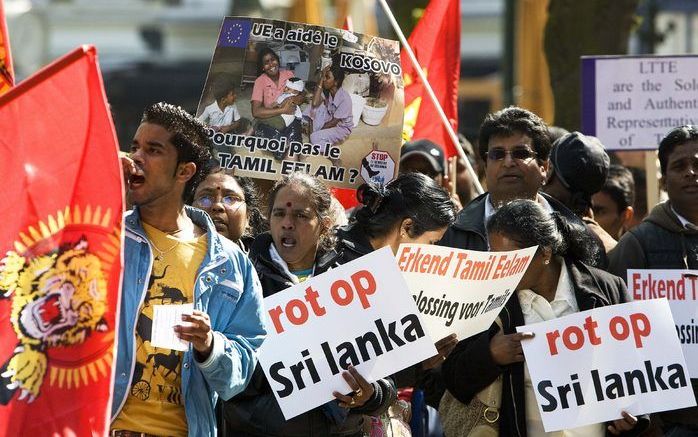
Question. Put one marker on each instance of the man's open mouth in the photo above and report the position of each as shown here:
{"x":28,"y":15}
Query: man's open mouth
{"x":288,"y":242}
{"x":135,"y":181}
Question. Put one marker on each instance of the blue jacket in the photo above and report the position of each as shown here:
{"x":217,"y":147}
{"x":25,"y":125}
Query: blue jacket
{"x":228,"y":290}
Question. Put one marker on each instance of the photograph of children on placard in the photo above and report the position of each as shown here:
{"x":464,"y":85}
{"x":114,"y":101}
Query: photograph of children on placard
{"x":283,"y":97}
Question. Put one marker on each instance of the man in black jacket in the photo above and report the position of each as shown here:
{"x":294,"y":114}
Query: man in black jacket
{"x":515,"y":145}
{"x":668,"y":237}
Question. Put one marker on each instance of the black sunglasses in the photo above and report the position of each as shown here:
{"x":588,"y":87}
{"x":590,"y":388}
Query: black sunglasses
{"x":519,"y":154}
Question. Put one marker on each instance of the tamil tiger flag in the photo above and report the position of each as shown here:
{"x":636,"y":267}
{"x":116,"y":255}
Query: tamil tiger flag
{"x":7,"y":77}
{"x":436,"y":44}
{"x":60,"y":251}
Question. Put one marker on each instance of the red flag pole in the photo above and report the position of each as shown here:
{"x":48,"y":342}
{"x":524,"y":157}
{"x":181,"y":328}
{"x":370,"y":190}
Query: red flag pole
{"x":432,"y":96}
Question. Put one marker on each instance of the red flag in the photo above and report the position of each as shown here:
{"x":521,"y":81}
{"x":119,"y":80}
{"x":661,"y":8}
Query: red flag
{"x":436,"y":44}
{"x":7,"y":76}
{"x":60,"y":251}
{"x":348,"y":24}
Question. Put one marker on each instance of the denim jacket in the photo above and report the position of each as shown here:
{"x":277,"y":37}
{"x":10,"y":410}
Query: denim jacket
{"x":228,"y":290}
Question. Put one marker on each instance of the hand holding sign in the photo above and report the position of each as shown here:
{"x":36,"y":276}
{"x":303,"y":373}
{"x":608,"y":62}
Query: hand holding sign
{"x":506,"y":348}
{"x":444,"y":347}
{"x":362,"y":389}
{"x":624,"y":424}
{"x":198,"y":332}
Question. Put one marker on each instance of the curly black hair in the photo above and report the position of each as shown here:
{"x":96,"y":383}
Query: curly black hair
{"x":188,"y":136}
{"x":528,"y":224}
{"x":513,"y":120}
{"x":258,"y":224}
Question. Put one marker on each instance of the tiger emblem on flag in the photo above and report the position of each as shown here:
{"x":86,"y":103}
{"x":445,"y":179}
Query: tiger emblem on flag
{"x":57,"y":299}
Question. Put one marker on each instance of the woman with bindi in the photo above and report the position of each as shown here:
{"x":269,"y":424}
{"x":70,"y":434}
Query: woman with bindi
{"x":300,"y":244}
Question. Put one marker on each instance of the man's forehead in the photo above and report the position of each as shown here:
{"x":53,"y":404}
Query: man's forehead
{"x":685,"y":150}
{"x":514,"y":139}
{"x":151,"y":131}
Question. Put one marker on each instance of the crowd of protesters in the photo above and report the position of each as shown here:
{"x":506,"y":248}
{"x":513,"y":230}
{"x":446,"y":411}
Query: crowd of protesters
{"x":232,"y":248}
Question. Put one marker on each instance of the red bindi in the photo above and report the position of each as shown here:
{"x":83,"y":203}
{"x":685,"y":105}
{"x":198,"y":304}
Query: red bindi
{"x":289,"y":204}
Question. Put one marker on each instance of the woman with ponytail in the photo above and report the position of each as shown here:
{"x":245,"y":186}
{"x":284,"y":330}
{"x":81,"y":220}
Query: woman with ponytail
{"x":559,"y":281}
{"x":411,"y":209}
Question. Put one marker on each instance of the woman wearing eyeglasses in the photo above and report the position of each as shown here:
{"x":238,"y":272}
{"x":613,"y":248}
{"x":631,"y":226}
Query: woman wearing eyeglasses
{"x":233,"y":204}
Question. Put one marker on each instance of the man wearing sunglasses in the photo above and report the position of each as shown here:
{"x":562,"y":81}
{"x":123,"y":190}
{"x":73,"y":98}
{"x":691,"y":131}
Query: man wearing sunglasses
{"x":515,"y":145}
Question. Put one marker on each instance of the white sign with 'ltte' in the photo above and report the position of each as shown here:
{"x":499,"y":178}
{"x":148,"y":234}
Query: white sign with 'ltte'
{"x":632,"y":102}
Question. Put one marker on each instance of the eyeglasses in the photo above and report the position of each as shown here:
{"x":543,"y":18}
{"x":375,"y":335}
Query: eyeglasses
{"x":207,"y":202}
{"x":519,"y":154}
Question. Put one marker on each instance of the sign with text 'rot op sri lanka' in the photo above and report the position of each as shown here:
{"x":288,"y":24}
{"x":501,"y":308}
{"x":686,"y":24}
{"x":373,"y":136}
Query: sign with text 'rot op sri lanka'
{"x":590,"y":366}
{"x":359,"y":314}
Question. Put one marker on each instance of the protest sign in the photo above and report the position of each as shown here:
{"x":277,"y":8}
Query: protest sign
{"x":460,"y":291}
{"x":631,"y":102}
{"x":283,"y":97}
{"x":680,"y":288}
{"x":358,"y":314}
{"x":590,"y":366}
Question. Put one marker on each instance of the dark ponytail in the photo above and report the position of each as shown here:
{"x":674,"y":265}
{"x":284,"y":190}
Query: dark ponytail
{"x":580,"y":244}
{"x":527,"y":223}
{"x":411,"y":195}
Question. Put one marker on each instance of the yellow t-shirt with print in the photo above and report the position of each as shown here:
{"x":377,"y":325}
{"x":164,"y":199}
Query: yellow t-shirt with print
{"x":155,"y":403}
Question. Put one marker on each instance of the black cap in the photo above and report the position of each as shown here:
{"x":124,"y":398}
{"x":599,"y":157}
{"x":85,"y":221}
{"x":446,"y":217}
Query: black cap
{"x":429,"y":150}
{"x":580,"y":163}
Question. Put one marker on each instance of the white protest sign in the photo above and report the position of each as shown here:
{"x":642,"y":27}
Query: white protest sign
{"x":358,"y":314}
{"x":460,"y":291}
{"x":631,"y":102}
{"x":590,"y":366}
{"x":165,"y":318}
{"x":680,"y":288}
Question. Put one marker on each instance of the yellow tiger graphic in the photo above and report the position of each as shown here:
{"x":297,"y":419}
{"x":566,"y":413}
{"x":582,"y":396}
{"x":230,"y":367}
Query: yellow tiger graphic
{"x":58,"y":299}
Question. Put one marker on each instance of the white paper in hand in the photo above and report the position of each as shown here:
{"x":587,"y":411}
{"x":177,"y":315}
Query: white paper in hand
{"x":165,"y":318}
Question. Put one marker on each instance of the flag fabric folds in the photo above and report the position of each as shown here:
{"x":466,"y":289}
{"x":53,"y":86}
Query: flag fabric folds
{"x":60,"y":251}
{"x":436,"y":44}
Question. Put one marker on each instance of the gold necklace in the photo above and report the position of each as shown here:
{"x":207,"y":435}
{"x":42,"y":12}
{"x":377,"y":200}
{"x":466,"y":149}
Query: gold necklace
{"x":162,"y":253}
